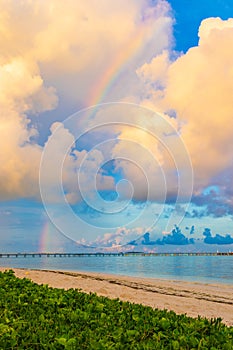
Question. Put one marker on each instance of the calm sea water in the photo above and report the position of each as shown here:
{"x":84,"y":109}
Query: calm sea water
{"x":208,"y":269}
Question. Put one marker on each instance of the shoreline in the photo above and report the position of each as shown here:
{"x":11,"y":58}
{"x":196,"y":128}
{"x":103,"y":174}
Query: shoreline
{"x":192,"y":298}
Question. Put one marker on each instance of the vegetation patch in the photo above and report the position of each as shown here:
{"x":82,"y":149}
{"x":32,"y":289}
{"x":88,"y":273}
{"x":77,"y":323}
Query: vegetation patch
{"x":36,"y":316}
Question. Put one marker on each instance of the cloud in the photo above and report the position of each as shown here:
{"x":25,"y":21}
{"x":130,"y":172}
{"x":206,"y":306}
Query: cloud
{"x":55,"y":54}
{"x":175,"y":237}
{"x":151,"y":155}
{"x":115,"y":239}
{"x":22,"y":91}
{"x":217,"y":239}
{"x":198,"y":87}
{"x":192,"y":230}
{"x":217,"y":198}
{"x":203,"y":101}
{"x":78,"y":172}
{"x":85,"y":46}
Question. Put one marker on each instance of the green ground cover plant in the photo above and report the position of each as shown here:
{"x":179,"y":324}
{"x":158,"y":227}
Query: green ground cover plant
{"x":36,"y":316}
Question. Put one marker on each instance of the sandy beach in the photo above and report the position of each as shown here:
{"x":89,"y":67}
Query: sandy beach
{"x":191,"y":298}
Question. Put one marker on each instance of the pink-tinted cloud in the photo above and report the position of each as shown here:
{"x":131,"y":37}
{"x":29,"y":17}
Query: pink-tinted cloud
{"x":52,"y":49}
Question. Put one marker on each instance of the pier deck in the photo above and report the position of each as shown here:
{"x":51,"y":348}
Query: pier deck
{"x":59,"y":254}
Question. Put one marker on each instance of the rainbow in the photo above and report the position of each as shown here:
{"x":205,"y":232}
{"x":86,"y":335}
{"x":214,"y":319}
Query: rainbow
{"x":104,"y":85}
{"x":98,"y":94}
{"x":46,"y":242}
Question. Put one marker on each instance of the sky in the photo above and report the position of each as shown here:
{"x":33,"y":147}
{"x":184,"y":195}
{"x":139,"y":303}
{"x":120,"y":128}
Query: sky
{"x":115,"y":120}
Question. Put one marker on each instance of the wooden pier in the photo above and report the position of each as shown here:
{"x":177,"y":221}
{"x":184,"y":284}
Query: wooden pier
{"x":63,"y":255}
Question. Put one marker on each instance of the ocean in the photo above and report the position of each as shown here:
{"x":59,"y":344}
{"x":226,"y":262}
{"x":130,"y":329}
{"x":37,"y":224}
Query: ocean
{"x":206,"y":269}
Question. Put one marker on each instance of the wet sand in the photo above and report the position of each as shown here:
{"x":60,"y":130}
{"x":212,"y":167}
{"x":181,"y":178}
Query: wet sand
{"x":191,"y":298}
